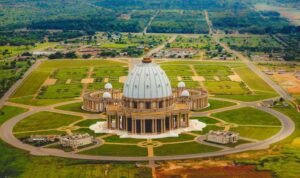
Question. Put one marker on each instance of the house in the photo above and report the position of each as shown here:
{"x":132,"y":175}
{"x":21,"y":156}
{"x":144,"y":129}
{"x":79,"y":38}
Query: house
{"x":75,"y":141}
{"x":222,"y":137}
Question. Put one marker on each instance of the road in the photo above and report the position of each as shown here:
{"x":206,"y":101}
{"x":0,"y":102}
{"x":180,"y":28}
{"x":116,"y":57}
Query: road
{"x":6,"y":134}
{"x":13,"y":88}
{"x":150,"y":22}
{"x":249,"y":64}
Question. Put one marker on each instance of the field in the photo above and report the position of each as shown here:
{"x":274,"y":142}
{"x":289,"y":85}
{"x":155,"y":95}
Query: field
{"x":226,"y":80}
{"x":248,"y":116}
{"x":184,"y":73}
{"x":258,"y":133}
{"x":68,"y":85}
{"x":252,"y":43}
{"x":44,"y":121}
{"x":196,"y":42}
{"x":117,"y":139}
{"x":216,"y":104}
{"x":181,"y":137}
{"x":6,"y":112}
{"x":183,"y":148}
{"x":76,"y":107}
{"x":117,"y":150}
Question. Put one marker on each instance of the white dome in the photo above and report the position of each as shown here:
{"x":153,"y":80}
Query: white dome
{"x":108,"y":86}
{"x":181,"y":85}
{"x":106,"y":95}
{"x":147,"y":81}
{"x":185,"y":93}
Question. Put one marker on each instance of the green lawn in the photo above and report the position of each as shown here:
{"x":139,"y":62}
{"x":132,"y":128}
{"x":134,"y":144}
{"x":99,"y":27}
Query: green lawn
{"x":226,"y":88}
{"x":60,"y":91}
{"x":216,"y":104}
{"x":45,"y":120}
{"x":7,"y":112}
{"x":258,"y":133}
{"x":206,"y":120}
{"x":248,"y":116}
{"x":181,"y":137}
{"x":117,"y":139}
{"x":28,"y":100}
{"x":117,"y":150}
{"x":50,"y":132}
{"x":89,"y":122}
{"x":63,"y":70}
{"x":252,"y":80}
{"x":76,"y":107}
{"x":32,"y":83}
{"x":183,"y":148}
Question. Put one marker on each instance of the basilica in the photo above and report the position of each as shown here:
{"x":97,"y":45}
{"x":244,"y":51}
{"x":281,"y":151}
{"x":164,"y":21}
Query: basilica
{"x":147,"y":104}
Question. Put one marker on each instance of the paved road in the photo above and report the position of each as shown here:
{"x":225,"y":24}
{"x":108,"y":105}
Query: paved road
{"x":18,"y":83}
{"x":6,"y":133}
{"x":150,"y":22}
{"x":252,"y":66}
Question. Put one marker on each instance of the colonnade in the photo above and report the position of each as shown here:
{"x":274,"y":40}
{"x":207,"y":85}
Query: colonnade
{"x":148,"y":126}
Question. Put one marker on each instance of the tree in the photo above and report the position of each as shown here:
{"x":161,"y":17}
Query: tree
{"x":71,"y":55}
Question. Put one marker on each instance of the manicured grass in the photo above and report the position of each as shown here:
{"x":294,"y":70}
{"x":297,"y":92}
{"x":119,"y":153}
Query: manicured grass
{"x":45,"y":120}
{"x":117,"y":139}
{"x":248,"y":116}
{"x":7,"y":112}
{"x":258,"y":95}
{"x":50,"y":132}
{"x":63,"y":70}
{"x":226,"y":87}
{"x":258,"y":133}
{"x":117,"y":150}
{"x":206,"y":120}
{"x":89,"y":122}
{"x":60,"y":91}
{"x":28,"y":100}
{"x":252,"y":80}
{"x":183,"y":148}
{"x":32,"y":83}
{"x":76,"y":107}
{"x":181,"y":137}
{"x":216,"y":104}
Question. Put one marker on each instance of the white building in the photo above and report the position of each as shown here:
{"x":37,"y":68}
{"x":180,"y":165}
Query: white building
{"x":75,"y":141}
{"x":222,"y":137}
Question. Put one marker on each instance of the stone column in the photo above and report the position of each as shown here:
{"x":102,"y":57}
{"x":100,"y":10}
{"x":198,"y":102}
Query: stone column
{"x":144,"y":126}
{"x":152,"y":121}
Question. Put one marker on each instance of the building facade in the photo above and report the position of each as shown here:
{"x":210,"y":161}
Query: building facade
{"x":75,"y":141}
{"x":148,"y":104}
{"x":222,"y":137}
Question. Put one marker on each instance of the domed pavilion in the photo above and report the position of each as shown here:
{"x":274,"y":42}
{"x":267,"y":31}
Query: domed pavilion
{"x":148,"y":104}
